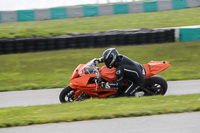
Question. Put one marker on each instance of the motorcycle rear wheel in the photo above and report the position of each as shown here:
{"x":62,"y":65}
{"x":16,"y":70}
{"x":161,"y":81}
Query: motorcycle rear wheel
{"x":156,"y":85}
{"x":67,"y":95}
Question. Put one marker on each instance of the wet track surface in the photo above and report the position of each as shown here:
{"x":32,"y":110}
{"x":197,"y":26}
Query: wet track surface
{"x":51,"y":96}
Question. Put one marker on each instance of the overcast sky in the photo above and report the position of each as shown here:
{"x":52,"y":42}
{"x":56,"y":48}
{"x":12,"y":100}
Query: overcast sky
{"x":9,"y":5}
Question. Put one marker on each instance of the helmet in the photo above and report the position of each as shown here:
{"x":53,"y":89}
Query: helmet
{"x":110,"y":57}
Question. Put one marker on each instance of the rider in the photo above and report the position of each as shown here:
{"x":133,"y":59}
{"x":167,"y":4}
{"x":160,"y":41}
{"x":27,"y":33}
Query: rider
{"x":125,"y":69}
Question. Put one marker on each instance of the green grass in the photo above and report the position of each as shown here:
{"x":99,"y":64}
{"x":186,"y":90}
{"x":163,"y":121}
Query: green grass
{"x":98,"y":109}
{"x":53,"y":68}
{"x":183,"y":17}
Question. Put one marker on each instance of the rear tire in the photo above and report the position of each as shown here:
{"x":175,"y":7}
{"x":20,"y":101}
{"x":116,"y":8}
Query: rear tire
{"x":67,"y":95}
{"x":157,"y":85}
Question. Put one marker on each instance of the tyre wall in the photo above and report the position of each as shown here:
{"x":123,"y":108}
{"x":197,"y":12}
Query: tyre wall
{"x":95,"y":39}
{"x":96,"y":10}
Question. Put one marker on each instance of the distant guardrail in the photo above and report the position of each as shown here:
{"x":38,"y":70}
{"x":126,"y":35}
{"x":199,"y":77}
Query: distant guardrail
{"x":96,"y":10}
{"x":87,"y":40}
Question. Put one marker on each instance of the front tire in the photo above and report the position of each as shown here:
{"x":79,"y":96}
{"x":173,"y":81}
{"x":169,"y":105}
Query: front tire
{"x":156,"y":85}
{"x":67,"y":95}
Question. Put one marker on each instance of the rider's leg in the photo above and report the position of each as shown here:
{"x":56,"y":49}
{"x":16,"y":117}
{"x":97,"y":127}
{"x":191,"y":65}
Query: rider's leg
{"x":131,"y":89}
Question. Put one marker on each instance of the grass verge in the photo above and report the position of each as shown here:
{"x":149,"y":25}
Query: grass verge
{"x":53,"y":68}
{"x":173,"y":18}
{"x":98,"y":109}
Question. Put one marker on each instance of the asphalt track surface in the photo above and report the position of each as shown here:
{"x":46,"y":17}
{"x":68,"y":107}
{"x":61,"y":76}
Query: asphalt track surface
{"x":51,"y":96}
{"x":171,"y":123}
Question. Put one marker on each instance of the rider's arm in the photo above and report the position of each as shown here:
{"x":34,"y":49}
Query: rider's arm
{"x":118,"y":81}
{"x":98,"y":60}
{"x":119,"y":78}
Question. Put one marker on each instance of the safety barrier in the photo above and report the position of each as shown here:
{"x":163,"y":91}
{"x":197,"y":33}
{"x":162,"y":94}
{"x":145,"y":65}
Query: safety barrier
{"x":80,"y":40}
{"x":189,"y":34}
{"x":96,"y":10}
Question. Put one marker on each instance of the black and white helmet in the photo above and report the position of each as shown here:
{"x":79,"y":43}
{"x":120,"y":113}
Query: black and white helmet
{"x":110,"y":57}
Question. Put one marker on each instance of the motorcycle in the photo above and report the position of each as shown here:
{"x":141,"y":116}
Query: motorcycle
{"x":86,"y":78}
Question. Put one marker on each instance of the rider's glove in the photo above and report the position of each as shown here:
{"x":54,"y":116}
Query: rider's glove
{"x":101,"y":60}
{"x":97,"y":61}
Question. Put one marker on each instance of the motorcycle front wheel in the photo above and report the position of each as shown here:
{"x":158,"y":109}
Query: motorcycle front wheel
{"x":67,"y":95}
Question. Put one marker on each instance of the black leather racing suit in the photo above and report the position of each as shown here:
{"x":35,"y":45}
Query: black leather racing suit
{"x":131,"y":71}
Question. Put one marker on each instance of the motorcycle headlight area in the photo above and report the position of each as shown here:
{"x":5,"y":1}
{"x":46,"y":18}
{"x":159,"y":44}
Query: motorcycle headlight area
{"x":91,"y":70}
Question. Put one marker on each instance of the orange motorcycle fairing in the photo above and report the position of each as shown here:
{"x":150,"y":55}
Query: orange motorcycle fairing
{"x":155,"y":67}
{"x":108,"y":74}
{"x":95,"y":93}
{"x":84,"y":78}
{"x":75,"y":73}
{"x":93,"y":90}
